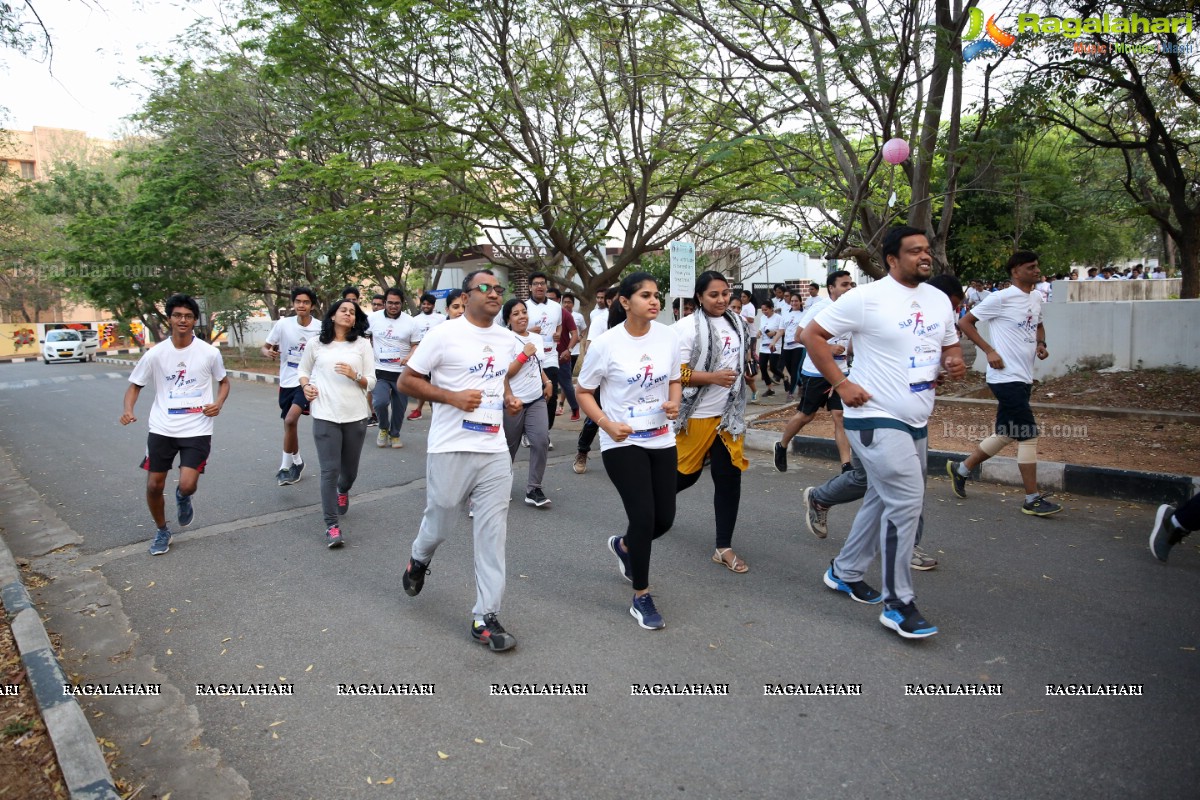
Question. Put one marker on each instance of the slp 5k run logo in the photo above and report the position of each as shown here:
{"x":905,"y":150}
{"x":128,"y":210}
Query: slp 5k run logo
{"x":995,"y":37}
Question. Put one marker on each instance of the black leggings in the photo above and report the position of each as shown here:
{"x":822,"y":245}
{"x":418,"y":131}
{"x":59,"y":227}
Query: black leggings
{"x":768,"y":365}
{"x":645,"y":479}
{"x":727,"y":490}
{"x":792,"y":359}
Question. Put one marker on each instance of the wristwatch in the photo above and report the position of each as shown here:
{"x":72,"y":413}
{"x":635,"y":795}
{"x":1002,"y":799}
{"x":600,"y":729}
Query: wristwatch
{"x":358,"y":377}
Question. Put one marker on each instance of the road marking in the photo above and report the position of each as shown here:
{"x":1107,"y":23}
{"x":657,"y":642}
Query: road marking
{"x":32,"y":383}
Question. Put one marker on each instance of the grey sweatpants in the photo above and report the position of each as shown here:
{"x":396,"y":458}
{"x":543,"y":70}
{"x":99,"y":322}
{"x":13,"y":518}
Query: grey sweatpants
{"x":531,"y":421}
{"x":849,"y":486}
{"x":890,"y":516}
{"x":486,"y":479}
{"x":339,"y":447}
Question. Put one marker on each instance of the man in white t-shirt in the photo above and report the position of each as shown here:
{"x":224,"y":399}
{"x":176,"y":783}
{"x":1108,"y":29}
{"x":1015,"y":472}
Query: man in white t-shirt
{"x":903,"y":333}
{"x":545,"y":319}
{"x":770,"y":331}
{"x":184,"y":371}
{"x":286,"y":342}
{"x":1015,"y":317}
{"x":425,"y":322}
{"x":393,"y":336}
{"x":779,"y":299}
{"x":814,"y":292}
{"x":597,"y":325}
{"x":460,"y":368}
{"x":598,"y":320}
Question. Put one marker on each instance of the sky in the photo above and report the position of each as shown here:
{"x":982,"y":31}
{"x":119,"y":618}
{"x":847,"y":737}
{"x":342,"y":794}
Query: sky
{"x":96,"y":43}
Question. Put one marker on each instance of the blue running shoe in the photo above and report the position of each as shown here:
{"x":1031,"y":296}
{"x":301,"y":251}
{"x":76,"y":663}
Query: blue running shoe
{"x":623,"y":557}
{"x":184,"y":513}
{"x":162,"y":542}
{"x":907,"y":621}
{"x":858,"y":590}
{"x":294,"y":473}
{"x":645,"y":613}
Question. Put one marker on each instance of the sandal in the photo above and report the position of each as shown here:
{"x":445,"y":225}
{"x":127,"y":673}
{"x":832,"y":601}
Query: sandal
{"x":736,"y":565}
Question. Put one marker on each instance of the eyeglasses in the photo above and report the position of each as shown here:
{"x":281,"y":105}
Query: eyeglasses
{"x":484,"y":288}
{"x":183,"y":317}
{"x":538,"y":283}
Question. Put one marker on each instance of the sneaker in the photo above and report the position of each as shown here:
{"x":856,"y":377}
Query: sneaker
{"x":414,"y":414}
{"x":373,"y":421}
{"x":161,"y":543}
{"x":575,"y":415}
{"x":815,"y":516}
{"x":343,"y":502}
{"x":769,"y":393}
{"x":333,"y":537}
{"x":396,"y":443}
{"x":382,"y":440}
{"x":847,"y":467}
{"x":622,"y":557}
{"x":282,"y":476}
{"x":1166,"y":534}
{"x":549,"y":445}
{"x":753,"y":397}
{"x":791,"y":398}
{"x":958,"y":482}
{"x":524,"y":440}
{"x":858,"y":590}
{"x":413,"y":579}
{"x":922,"y":560}
{"x":907,"y":621}
{"x":580,"y":465}
{"x":645,"y":613}
{"x":536,"y":498}
{"x":184,"y":513}
{"x":1040,"y":507}
{"x":492,"y":633}
{"x":780,"y":457}
{"x":294,"y":473}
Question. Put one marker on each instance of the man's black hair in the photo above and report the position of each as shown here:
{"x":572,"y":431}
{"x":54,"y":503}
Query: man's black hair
{"x":893,"y":238}
{"x":299,"y":290}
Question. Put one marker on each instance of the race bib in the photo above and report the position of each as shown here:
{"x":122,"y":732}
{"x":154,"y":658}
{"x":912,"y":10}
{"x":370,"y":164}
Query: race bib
{"x":923,"y":367}
{"x":648,"y":420}
{"x":489,"y":417}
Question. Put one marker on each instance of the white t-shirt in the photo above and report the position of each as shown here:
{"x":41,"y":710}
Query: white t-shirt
{"x":598,"y":323}
{"x":581,"y":326}
{"x":339,"y":399}
{"x":712,"y":397}
{"x":633,"y":374}
{"x":527,"y":383}
{"x":290,"y":337}
{"x":1012,"y":317}
{"x":458,"y":356}
{"x":391,"y":339}
{"x":547,"y":317}
{"x":808,"y":367}
{"x":426,"y":322}
{"x":766,"y":329}
{"x":808,"y":301}
{"x":899,"y":333}
{"x":184,"y":382}
{"x":748,"y":314}
{"x":779,"y":304}
{"x":791,"y":323}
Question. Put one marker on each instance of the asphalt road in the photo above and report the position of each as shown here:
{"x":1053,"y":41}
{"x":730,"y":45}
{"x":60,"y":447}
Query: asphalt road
{"x":249,"y":594}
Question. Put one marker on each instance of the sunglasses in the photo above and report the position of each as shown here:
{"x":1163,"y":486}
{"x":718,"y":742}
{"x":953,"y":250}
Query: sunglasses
{"x":484,"y":288}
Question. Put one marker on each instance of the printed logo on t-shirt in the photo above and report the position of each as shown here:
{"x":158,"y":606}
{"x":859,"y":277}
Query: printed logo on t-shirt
{"x":645,"y":378}
{"x":184,"y":395}
{"x":916,"y":322}
{"x":294,"y":354}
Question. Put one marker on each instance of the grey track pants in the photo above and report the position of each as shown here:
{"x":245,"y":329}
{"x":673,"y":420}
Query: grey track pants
{"x":339,"y":447}
{"x":890,"y":516}
{"x":531,"y":421}
{"x":486,"y":479}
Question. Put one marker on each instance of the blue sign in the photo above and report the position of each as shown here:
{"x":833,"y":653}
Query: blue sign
{"x":440,"y":294}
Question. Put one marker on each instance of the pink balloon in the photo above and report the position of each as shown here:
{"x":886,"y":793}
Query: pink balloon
{"x":895,"y":151}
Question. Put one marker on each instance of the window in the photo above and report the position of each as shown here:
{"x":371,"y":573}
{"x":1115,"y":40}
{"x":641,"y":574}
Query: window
{"x":27,"y":171}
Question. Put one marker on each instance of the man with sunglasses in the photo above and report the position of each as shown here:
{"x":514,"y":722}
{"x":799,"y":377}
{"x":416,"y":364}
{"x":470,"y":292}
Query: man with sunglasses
{"x":183,"y":370}
{"x":460,"y":368}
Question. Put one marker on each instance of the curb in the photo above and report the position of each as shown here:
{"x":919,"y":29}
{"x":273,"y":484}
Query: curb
{"x":1116,"y":484}
{"x":1096,"y":411}
{"x":253,"y":377}
{"x":79,"y":755}
{"x":99,"y":356}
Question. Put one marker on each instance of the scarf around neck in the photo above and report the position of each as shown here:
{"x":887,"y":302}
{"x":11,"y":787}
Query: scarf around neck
{"x":705,"y":355}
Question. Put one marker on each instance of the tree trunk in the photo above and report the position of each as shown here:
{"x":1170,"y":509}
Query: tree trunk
{"x":1189,"y":260}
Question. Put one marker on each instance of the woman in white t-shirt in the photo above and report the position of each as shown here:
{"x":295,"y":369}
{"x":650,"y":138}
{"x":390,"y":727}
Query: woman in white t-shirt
{"x":635,"y":367}
{"x":713,"y":350}
{"x":793,"y":351}
{"x":337,"y":373}
{"x":528,"y":383}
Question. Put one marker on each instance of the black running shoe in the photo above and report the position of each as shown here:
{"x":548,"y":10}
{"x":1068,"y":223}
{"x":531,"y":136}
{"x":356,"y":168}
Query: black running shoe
{"x":492,"y":633}
{"x":283,"y":476}
{"x":858,"y":590}
{"x":780,"y":457}
{"x":958,"y":482}
{"x":294,"y":473}
{"x":184,"y":513}
{"x":907,"y":621}
{"x":536,"y":498}
{"x":1040,"y":507}
{"x":414,"y":577}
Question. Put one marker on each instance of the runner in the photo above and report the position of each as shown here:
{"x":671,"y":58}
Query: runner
{"x":460,"y":367}
{"x":735,"y":305}
{"x":815,"y":391}
{"x":770,"y":331}
{"x":1016,"y":327}
{"x":635,"y":367}
{"x":456,"y":304}
{"x":568,"y":304}
{"x":425,"y":322}
{"x":793,"y":351}
{"x":568,"y":339}
{"x":337,"y":373}
{"x":530,"y":385}
{"x":599,"y":324}
{"x":902,"y":332}
{"x":352,"y":294}
{"x":377,"y":302}
{"x":286,"y":342}
{"x":393,"y":334}
{"x":546,"y":319}
{"x":183,"y":370}
{"x":714,"y":348}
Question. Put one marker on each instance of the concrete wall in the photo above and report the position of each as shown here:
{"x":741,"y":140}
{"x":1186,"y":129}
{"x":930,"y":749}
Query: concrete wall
{"x":1129,"y":335}
{"x":1086,"y":291}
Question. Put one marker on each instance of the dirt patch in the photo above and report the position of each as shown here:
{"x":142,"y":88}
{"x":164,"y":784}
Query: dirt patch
{"x":27,"y":759}
{"x":1171,"y":447}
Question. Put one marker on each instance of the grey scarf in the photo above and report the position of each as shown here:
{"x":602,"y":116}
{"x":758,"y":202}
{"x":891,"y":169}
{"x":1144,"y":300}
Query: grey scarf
{"x":705,"y":355}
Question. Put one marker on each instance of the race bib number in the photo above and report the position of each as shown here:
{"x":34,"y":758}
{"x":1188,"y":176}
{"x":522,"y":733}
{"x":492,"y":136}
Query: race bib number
{"x":648,"y":420}
{"x":489,"y":417}
{"x":923,"y":367}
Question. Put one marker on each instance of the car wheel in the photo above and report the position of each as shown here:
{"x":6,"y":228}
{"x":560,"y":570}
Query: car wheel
{"x":45,"y":361}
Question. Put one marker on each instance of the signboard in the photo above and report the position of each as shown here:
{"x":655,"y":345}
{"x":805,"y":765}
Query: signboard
{"x":440,"y":294}
{"x":683,"y":269}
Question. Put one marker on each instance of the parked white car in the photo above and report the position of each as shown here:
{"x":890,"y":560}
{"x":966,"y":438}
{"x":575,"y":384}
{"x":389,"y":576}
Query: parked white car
{"x":67,"y":345}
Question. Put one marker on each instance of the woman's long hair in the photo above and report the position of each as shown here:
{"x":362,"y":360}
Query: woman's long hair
{"x":359,"y":328}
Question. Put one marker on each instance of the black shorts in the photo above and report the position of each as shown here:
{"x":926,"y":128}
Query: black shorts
{"x":815,"y":395}
{"x":1014,"y":417}
{"x":292,"y":396}
{"x":161,"y":450}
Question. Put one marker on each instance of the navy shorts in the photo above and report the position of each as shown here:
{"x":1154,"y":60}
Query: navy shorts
{"x":292,"y":396}
{"x":1014,"y":417}
{"x":815,"y":394}
{"x":161,"y":451}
